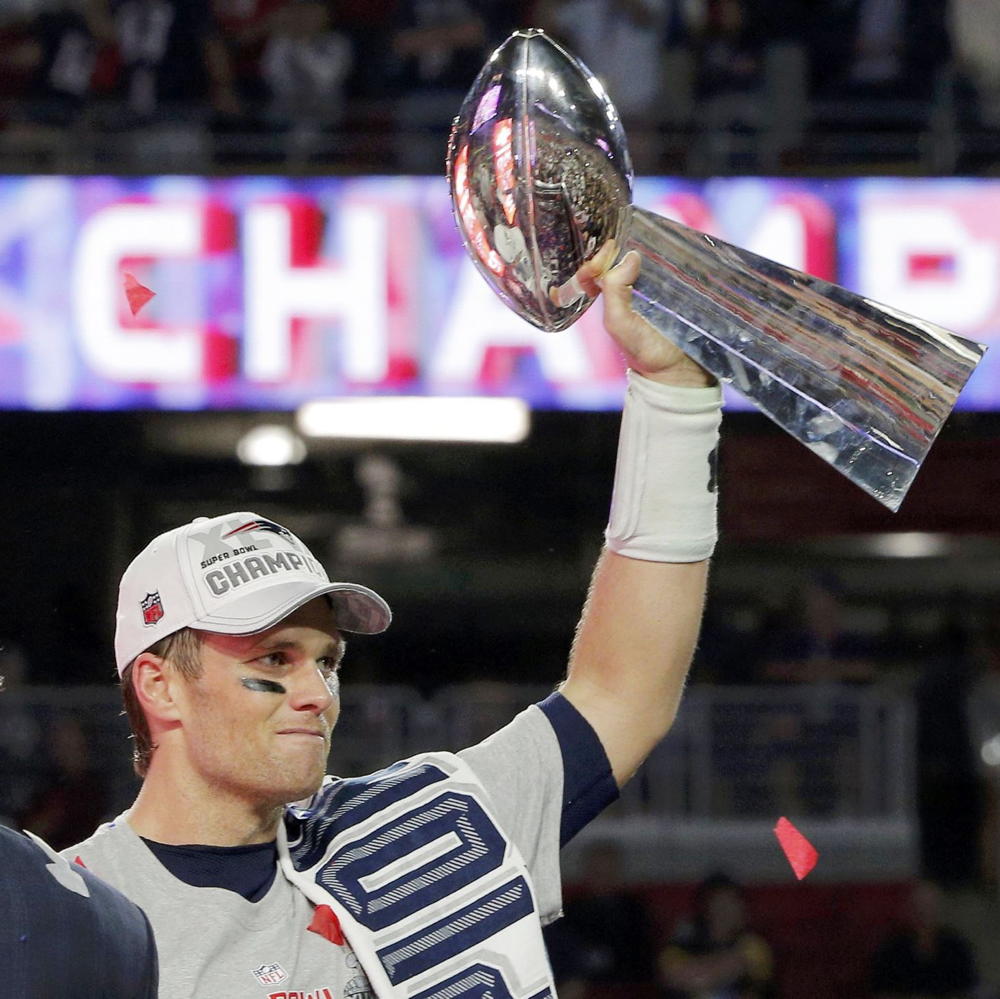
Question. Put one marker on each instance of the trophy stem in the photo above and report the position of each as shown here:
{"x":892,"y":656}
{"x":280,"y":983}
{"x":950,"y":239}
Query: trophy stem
{"x":864,"y":386}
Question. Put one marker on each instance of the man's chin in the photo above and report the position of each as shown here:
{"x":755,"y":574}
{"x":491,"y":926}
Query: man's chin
{"x":287,"y":782}
{"x":300,"y":794}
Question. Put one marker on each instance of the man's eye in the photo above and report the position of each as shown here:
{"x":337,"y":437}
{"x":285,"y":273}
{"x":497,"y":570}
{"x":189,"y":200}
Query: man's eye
{"x":272,"y":659}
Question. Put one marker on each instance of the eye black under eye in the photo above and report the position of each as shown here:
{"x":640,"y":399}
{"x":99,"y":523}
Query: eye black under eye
{"x":261,"y":685}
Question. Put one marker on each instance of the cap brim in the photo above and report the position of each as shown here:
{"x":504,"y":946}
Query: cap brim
{"x":355,"y":608}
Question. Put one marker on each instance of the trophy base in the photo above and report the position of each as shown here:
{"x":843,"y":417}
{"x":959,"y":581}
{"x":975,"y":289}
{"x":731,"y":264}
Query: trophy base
{"x":864,"y":386}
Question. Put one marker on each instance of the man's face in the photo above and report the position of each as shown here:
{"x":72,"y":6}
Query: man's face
{"x":265,"y":746}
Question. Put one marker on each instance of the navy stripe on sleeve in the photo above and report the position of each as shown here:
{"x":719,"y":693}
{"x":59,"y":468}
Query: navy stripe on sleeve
{"x":588,"y":784}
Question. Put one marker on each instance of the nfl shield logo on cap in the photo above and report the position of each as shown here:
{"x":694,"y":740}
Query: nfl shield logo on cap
{"x":152,"y":608}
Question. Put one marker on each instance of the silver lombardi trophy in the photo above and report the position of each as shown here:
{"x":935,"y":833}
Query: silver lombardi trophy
{"x":540,"y":177}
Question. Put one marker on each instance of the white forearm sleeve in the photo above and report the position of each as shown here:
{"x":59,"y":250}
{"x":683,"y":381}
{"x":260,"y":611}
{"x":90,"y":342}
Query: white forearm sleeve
{"x":664,"y":504}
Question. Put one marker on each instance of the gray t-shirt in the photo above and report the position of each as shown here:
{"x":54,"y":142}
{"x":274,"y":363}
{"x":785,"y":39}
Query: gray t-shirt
{"x":214,"y":943}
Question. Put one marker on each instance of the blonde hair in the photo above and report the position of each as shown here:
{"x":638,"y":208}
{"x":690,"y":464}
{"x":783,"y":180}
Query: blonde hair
{"x":180,"y":651}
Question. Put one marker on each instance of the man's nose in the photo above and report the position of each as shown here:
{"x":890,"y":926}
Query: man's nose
{"x":312,"y":692}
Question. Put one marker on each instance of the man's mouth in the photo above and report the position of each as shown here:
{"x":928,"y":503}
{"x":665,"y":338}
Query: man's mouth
{"x":314,"y":733}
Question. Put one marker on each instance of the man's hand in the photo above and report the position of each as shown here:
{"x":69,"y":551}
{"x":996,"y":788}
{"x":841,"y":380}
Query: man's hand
{"x":646,"y":351}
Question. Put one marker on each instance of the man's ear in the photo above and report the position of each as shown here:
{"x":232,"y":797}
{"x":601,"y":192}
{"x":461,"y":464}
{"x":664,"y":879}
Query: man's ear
{"x":156,"y":686}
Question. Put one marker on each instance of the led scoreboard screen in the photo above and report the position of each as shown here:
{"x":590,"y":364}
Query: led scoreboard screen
{"x":270,"y":292}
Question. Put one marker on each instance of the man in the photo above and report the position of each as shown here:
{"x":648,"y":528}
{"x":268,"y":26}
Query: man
{"x":432,"y":877}
{"x":435,"y":48}
{"x":716,"y":952}
{"x":65,"y":933}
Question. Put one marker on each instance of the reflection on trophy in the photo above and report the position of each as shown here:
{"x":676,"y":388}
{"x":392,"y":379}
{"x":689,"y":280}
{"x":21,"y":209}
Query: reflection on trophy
{"x":540,"y":178}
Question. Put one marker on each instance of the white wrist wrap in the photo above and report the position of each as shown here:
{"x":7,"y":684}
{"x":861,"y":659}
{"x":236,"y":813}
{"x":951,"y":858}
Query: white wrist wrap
{"x":663,"y":508}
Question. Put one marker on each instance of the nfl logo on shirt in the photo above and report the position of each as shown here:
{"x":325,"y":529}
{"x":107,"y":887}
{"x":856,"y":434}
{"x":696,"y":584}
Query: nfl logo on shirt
{"x":270,"y":974}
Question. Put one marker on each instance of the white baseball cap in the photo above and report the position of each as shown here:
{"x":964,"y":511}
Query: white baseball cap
{"x":237,"y":574}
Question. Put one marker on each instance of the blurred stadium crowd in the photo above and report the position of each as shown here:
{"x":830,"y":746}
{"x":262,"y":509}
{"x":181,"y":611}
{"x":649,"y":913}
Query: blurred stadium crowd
{"x":703,"y":85}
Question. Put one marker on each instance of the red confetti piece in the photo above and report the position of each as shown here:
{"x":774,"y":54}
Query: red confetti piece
{"x":137,"y":294}
{"x":326,"y":924}
{"x":77,"y":860}
{"x":801,"y":854}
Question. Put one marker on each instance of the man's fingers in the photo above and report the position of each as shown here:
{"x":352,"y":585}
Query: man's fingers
{"x":623,"y":273}
{"x":589,"y":274}
{"x":604,"y":257}
{"x":616,"y":285}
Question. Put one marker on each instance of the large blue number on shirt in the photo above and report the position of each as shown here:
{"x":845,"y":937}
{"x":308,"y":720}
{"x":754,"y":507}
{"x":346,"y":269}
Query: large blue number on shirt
{"x":414,"y":860}
{"x":417,"y":861}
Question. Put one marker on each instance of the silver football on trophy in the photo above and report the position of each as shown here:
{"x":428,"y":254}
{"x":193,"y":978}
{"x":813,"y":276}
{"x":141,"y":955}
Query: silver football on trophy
{"x":540,"y":176}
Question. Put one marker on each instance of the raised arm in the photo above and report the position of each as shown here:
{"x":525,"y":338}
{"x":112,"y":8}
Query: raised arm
{"x":641,"y":619}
